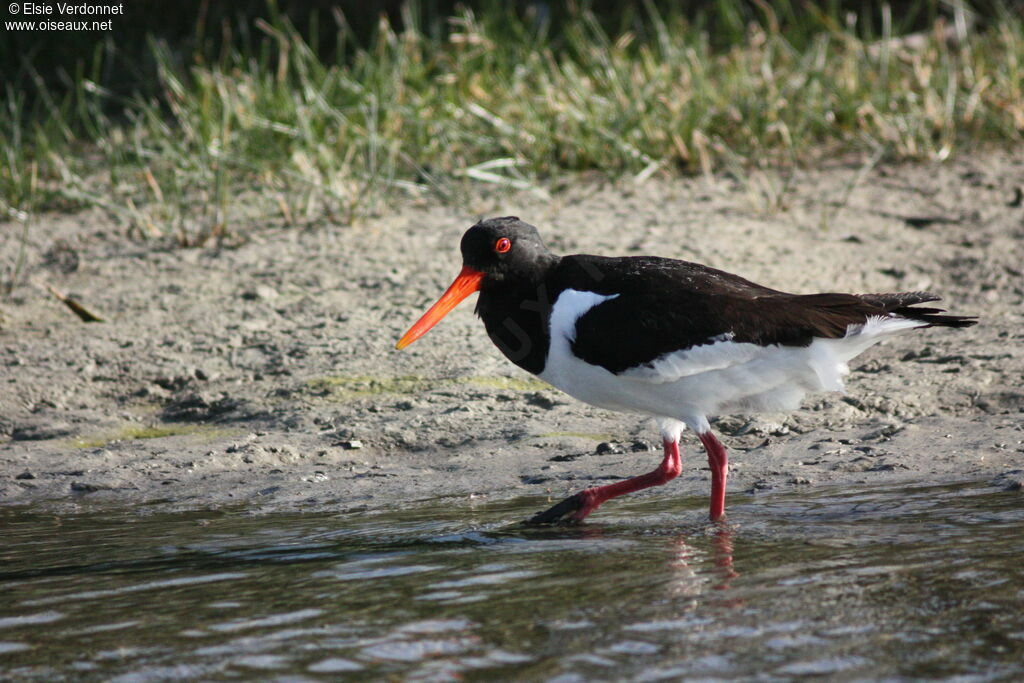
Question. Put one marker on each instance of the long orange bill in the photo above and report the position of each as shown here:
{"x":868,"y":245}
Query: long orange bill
{"x":465,"y":284}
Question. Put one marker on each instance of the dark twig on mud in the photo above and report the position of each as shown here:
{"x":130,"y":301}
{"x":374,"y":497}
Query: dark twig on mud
{"x":76,"y":307}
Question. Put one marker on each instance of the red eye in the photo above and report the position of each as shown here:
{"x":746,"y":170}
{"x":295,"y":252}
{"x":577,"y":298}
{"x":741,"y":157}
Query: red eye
{"x":503,"y":245}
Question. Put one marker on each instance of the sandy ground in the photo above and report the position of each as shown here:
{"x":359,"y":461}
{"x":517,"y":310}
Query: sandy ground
{"x":265,"y":374}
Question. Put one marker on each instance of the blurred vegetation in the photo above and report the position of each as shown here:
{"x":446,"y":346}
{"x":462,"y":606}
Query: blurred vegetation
{"x":189,"y":122}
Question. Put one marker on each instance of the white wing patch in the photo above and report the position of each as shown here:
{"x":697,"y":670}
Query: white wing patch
{"x":570,"y":307}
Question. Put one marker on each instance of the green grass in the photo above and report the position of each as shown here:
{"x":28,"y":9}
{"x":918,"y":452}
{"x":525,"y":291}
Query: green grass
{"x":275,"y":133}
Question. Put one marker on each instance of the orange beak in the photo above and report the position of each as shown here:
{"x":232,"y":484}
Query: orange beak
{"x":465,"y":284}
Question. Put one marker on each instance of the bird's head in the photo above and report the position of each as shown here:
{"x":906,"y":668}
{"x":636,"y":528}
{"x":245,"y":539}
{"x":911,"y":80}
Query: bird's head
{"x":494,"y":251}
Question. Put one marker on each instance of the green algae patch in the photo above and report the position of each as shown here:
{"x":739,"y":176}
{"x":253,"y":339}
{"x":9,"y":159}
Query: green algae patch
{"x":135,"y":432}
{"x":354,"y":387}
{"x":506,"y":383}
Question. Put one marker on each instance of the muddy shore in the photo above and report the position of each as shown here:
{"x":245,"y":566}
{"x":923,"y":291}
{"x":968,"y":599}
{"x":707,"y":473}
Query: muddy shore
{"x":265,"y":374}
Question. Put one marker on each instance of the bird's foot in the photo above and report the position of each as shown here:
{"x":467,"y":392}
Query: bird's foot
{"x":572,"y":510}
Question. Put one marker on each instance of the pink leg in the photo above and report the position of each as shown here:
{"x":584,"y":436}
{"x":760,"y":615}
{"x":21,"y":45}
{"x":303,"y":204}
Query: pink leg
{"x":718,"y":460}
{"x":575,"y":508}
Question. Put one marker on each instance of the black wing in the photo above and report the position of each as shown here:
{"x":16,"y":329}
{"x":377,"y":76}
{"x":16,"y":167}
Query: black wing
{"x":664,"y":305}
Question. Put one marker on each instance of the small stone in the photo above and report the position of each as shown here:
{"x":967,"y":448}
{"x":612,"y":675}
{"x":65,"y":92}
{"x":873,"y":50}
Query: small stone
{"x":26,"y":475}
{"x":1018,"y":198}
{"x":82,"y":487}
{"x":260,"y":293}
{"x":351,"y":445}
{"x":799,"y":480}
{"x":269,"y":490}
{"x":541,"y":400}
{"x":888,"y":467}
{"x":607,"y":448}
{"x":195,"y":407}
{"x":172,"y":382}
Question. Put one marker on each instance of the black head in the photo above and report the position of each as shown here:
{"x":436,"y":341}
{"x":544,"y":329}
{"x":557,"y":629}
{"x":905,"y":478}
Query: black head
{"x":499,"y":253}
{"x":505,"y":249}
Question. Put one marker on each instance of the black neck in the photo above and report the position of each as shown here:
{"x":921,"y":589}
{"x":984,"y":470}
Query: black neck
{"x":516,"y":314}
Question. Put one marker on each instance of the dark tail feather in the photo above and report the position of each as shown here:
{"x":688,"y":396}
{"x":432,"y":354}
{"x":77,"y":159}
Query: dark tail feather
{"x":902,"y":304}
{"x":932,"y":317}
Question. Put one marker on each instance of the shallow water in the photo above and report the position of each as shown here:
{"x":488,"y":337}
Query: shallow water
{"x":844,"y":584}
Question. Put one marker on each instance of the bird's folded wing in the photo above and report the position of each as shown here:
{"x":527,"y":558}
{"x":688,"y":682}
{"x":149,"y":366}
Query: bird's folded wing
{"x":662,"y":336}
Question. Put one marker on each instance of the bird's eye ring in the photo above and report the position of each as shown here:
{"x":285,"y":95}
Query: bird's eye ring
{"x":502,"y":245}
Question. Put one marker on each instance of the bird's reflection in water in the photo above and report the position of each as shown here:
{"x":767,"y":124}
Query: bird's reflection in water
{"x":721,"y":544}
{"x":689,"y":576}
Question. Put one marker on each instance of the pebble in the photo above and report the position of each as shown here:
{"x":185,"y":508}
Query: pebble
{"x":260,"y":293}
{"x":196,"y":407}
{"x":888,"y":467}
{"x":541,"y":400}
{"x":884,"y":432}
{"x":25,"y":475}
{"x":82,"y":487}
{"x":762,"y":429}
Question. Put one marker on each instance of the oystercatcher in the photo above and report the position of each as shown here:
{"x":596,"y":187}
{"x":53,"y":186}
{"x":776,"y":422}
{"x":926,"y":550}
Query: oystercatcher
{"x":675,"y":340}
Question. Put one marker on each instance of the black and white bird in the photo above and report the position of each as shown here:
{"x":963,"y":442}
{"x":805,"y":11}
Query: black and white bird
{"x":676,"y":340}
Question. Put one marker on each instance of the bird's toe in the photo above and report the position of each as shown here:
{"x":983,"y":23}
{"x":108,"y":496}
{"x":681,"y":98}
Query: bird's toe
{"x":565,"y":512}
